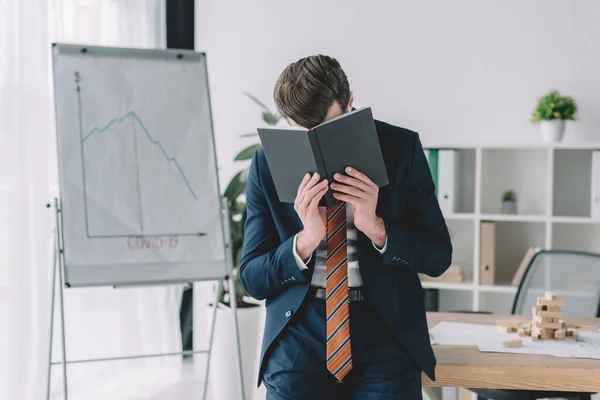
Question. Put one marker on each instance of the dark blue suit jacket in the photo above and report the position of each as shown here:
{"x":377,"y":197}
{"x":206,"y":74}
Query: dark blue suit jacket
{"x":418,"y":242}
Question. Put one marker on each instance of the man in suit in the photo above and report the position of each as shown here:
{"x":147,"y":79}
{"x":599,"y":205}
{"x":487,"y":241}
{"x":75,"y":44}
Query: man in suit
{"x":345,"y":309}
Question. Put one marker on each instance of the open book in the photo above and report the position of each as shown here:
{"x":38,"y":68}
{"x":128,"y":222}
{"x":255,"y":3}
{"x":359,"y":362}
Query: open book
{"x":349,"y":140}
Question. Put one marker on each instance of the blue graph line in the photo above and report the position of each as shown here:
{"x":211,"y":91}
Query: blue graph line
{"x":154,"y":141}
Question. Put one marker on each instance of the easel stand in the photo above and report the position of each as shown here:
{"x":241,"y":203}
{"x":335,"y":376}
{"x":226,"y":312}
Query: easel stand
{"x":58,"y":264}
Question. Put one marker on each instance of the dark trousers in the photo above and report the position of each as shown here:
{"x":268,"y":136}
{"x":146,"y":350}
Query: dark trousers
{"x":295,"y":368}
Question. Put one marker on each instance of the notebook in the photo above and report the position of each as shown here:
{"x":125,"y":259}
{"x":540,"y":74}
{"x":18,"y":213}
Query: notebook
{"x":347,"y":140}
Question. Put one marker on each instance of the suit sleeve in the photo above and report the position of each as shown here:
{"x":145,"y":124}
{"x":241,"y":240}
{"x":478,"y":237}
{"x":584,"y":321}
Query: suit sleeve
{"x":267,"y":265}
{"x":422,"y":242}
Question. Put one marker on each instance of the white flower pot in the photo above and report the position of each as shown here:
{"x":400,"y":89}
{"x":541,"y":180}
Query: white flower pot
{"x":224,"y":370}
{"x":553,"y":130}
{"x":509,"y":207}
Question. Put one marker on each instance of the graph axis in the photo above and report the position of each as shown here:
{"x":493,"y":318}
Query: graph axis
{"x":84,"y":181}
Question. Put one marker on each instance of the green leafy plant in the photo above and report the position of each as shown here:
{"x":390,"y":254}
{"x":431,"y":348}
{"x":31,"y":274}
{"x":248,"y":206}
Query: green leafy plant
{"x":509,"y":195}
{"x":554,"y":106}
{"x":235,"y":194}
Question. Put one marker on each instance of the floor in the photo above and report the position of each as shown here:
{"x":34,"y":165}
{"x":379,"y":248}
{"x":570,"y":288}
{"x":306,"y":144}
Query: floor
{"x":190,"y":387}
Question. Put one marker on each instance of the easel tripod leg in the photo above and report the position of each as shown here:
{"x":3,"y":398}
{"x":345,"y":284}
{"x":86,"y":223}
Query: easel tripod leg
{"x":233,"y":304}
{"x":62,"y":324}
{"x":55,"y":262}
{"x":218,"y":294}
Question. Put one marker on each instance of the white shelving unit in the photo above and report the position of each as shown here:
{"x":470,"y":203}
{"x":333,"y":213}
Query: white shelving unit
{"x":553,"y":189}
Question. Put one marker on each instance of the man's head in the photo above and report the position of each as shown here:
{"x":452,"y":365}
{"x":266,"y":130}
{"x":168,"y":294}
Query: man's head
{"x":312,"y":90}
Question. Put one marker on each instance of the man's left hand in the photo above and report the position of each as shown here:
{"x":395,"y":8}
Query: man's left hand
{"x":358,"y":190}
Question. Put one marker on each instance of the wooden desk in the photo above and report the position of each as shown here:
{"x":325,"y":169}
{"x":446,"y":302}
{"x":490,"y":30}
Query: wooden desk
{"x":466,"y":366}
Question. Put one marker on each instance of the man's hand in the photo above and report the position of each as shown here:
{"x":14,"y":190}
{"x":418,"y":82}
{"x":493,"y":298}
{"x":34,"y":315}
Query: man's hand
{"x":312,"y":216}
{"x":358,"y":190}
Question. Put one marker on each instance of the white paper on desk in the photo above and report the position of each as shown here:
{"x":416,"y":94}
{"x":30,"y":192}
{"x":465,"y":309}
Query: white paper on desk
{"x":462,"y":334}
{"x":588,"y":346}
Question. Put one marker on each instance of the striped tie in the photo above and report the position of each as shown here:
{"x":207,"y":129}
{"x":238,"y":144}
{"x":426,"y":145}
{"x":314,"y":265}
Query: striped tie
{"x":339,"y":357}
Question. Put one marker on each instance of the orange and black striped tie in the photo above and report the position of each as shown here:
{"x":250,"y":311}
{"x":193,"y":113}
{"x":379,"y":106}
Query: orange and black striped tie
{"x":339,"y":356}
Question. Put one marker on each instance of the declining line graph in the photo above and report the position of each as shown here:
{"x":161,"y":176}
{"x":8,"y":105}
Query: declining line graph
{"x":133,"y":115}
{"x":107,"y":186}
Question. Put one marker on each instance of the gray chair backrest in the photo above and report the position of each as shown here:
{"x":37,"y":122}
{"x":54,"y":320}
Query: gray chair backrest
{"x":573,"y":276}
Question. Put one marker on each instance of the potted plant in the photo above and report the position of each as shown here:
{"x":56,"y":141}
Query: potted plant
{"x":551,"y":111}
{"x":224,"y":375}
{"x":509,"y":202}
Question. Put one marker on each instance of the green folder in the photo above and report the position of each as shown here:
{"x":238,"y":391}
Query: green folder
{"x":432,"y":158}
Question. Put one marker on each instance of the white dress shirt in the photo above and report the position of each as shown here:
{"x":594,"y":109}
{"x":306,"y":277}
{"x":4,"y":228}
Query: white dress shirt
{"x":354,"y":278}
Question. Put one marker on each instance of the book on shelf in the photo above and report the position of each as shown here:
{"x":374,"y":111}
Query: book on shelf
{"x":349,"y":140}
{"x":454,"y":274}
{"x":443,"y":164}
{"x":432,"y":156}
{"x":448,"y":161}
{"x":487,"y":253}
{"x":595,"y":200}
{"x":532,"y":251}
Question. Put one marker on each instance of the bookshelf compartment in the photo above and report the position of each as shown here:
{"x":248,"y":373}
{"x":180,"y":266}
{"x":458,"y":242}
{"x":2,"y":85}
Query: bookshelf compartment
{"x":496,"y":303}
{"x":523,"y":171}
{"x":453,"y":172}
{"x":455,"y":301}
{"x":578,"y":237}
{"x":572,"y":177}
{"x":462,"y":235}
{"x":509,"y":244}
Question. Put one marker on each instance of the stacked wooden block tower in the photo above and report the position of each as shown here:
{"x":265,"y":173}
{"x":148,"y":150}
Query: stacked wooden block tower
{"x":547,"y":322}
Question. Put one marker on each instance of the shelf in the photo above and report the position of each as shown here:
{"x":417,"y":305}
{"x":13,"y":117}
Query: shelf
{"x":510,"y":146}
{"x":513,"y":218}
{"x":460,"y":216}
{"x":575,"y":220}
{"x":566,"y":293}
{"x":524,"y":171}
{"x":576,"y":236}
{"x":447,"y":285}
{"x":498,"y":289}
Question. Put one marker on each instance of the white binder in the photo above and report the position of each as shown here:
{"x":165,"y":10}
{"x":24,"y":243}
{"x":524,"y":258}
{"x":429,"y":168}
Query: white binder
{"x":595,"y":201}
{"x":448,"y":180}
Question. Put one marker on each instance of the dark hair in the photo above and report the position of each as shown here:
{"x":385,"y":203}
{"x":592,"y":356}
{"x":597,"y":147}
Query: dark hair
{"x":307,"y":88}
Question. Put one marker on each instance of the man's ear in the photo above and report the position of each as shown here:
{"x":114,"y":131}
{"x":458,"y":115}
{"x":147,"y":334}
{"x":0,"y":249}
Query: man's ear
{"x":351,"y":101}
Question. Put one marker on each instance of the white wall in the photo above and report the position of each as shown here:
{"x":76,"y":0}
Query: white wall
{"x":452,"y":70}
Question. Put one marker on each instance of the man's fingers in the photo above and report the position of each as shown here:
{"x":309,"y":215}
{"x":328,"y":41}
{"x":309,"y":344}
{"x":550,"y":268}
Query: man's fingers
{"x":346,"y":197}
{"x":317,"y":198}
{"x":350,"y":181}
{"x":361,"y":177}
{"x":308,"y":195}
{"x":303,"y":184}
{"x":308,"y":182}
{"x":338,"y":187}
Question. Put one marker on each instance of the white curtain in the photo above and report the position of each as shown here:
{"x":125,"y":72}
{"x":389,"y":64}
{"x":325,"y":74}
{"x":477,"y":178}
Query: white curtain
{"x":100,"y":322}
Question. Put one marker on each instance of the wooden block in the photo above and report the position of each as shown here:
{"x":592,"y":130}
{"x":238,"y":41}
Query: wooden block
{"x":527,"y":331}
{"x":569,"y":332}
{"x":513,"y":343}
{"x":550,"y":325}
{"x":508,"y":323}
{"x":550,"y":303}
{"x":587,"y":328}
{"x":560,"y":334}
{"x":550,"y":314}
{"x":540,"y":319}
{"x":553,"y":308}
{"x":521,"y":332}
{"x":576,"y":335}
{"x":535,"y":338}
{"x":550,"y":296}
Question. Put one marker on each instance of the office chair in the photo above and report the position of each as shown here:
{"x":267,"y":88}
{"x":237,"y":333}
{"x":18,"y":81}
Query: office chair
{"x":575,"y":277}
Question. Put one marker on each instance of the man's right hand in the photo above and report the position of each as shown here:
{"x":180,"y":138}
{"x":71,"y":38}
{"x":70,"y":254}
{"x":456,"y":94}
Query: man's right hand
{"x":313,"y":217}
